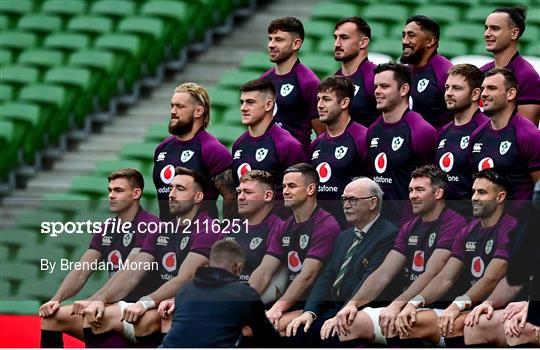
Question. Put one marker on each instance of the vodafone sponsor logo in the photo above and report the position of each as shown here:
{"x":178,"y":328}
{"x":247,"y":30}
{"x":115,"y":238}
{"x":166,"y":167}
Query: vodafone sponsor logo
{"x":325,"y":172}
{"x":114,"y":258}
{"x":169,"y":261}
{"x":243,"y":169}
{"x":477,"y":267}
{"x":446,"y":163}
{"x":167,"y":174}
{"x":381,"y":161}
{"x":293,"y":261}
{"x":485,"y":163}
{"x":418,"y":261}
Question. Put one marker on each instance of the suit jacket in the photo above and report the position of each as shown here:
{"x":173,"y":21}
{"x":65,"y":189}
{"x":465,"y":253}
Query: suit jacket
{"x":371,"y":252}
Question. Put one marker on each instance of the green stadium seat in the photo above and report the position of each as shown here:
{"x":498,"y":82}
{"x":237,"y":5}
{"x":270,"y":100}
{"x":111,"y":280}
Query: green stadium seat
{"x":391,"y":13}
{"x":451,"y":48}
{"x":33,"y":219}
{"x":255,"y":61}
{"x":40,"y":24}
{"x":92,"y":186}
{"x":42,"y":289}
{"x":391,"y":47}
{"x":233,"y":79}
{"x":6,"y":57}
{"x":27,"y":117}
{"x":226,"y":134}
{"x":461,"y":3}
{"x":114,"y":8}
{"x":323,"y":66}
{"x":156,"y":133}
{"x":333,"y":11}
{"x":531,"y":36}
{"x":479,"y":49}
{"x":533,"y":16}
{"x":6,"y":92}
{"x":232,"y":116}
{"x":15,"y":9}
{"x":11,"y":139}
{"x":319,"y":29}
{"x":12,"y":307}
{"x":468,"y":32}
{"x":67,"y":41}
{"x":41,"y":58}
{"x":17,"y":41}
{"x":19,"y":75}
{"x":4,"y":22}
{"x":64,"y":8}
{"x":531,"y":50}
{"x":478,"y":14}
{"x":91,"y":25}
{"x":66,"y":203}
{"x":443,"y":14}
{"x":105,"y":167}
{"x":32,"y":253}
{"x":143,"y":152}
{"x":506,"y":3}
{"x":222,"y":99}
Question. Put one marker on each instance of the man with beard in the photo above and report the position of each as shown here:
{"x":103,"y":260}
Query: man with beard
{"x":421,"y":249}
{"x":339,"y":153}
{"x":295,"y":84}
{"x":429,"y":70}
{"x":125,"y":191}
{"x":462,"y":93}
{"x":504,"y":26}
{"x":399,"y":140}
{"x":479,"y":261}
{"x":178,"y":249}
{"x":192,"y":147}
{"x":352,"y":36}
{"x":265,"y":146}
{"x":305,"y":245}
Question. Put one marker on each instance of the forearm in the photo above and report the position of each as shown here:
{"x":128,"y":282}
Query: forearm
{"x":121,"y":286}
{"x":416,"y":287}
{"x":370,"y":289}
{"x":259,"y":280}
{"x":482,"y":289}
{"x":436,"y":289}
{"x":168,"y":290}
{"x":298,"y":288}
{"x":503,"y":294}
{"x":72,"y":284}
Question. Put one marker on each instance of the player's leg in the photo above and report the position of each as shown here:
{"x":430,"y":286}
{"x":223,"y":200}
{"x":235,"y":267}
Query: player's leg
{"x":526,"y":336}
{"x":366,"y":326}
{"x":148,"y":330}
{"x":166,"y":324}
{"x":456,"y":339}
{"x":112,"y":332}
{"x":486,"y":331}
{"x":425,"y":328}
{"x":62,"y":321}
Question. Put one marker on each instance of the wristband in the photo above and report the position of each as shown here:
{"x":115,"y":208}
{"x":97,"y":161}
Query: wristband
{"x":147,"y":302}
{"x":418,"y":301}
{"x":314,"y":315}
{"x":463,"y":302}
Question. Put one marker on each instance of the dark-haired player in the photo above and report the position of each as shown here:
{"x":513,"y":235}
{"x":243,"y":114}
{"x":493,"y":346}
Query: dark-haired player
{"x":305,"y":245}
{"x":351,"y":42}
{"x":399,"y":140}
{"x":429,"y":70}
{"x":295,"y":84}
{"x":265,"y":146}
{"x":192,"y":147}
{"x":463,"y":88}
{"x":339,"y":153}
{"x":125,"y":191}
{"x":503,"y":28}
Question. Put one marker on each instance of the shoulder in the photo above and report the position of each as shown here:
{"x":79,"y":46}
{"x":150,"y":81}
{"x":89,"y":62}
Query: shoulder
{"x":210,"y":142}
{"x":440,"y":61}
{"x":164,"y":142}
{"x":147,"y":216}
{"x":487,"y":66}
{"x":267,"y":73}
{"x":450,"y":217}
{"x":524,"y":68}
{"x":306,"y":75}
{"x":239,"y":140}
{"x":417,"y":123}
{"x":357,"y":130}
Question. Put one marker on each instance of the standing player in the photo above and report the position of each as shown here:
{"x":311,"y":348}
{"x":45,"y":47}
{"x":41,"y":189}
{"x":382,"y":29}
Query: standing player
{"x":306,"y":244}
{"x":177,"y":250}
{"x":265,"y":146}
{"x":295,"y":84}
{"x":422,"y":247}
{"x":429,"y":70}
{"x":352,"y":36}
{"x":339,"y":153}
{"x":509,"y":142}
{"x":462,"y":94}
{"x":125,"y":191}
{"x":358,"y":252}
{"x":479,"y":262}
{"x":398,"y":141}
{"x":504,"y":26}
{"x":192,"y":147}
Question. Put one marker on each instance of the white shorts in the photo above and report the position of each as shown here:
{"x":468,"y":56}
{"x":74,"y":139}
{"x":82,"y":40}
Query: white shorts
{"x":129,"y":328}
{"x":374,"y":315}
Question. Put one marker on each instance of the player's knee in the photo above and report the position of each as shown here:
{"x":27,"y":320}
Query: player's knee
{"x":148,"y":324}
{"x":166,"y":324}
{"x":362,"y":327}
{"x":50,"y":323}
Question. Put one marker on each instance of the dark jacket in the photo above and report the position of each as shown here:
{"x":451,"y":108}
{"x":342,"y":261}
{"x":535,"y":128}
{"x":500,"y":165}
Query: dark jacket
{"x":212,"y":310}
{"x":374,"y":247}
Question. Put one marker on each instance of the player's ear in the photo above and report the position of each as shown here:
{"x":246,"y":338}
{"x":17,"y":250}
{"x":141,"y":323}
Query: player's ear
{"x":268,"y":196}
{"x":199,"y":196}
{"x":199,"y":111}
{"x":297,"y":43}
{"x":439,"y":193}
{"x":514,"y":34}
{"x":269,"y":105}
{"x":431,"y":41}
{"x":511,"y":94}
{"x":501,"y":196}
{"x":137,"y":193}
{"x":364,"y":42}
{"x":404,"y":89}
{"x":475,"y":94}
{"x":312,"y":189}
{"x":345,"y":102}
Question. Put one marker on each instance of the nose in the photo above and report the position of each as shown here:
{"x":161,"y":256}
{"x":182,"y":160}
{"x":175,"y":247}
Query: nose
{"x":111,"y":195}
{"x":320,"y":104}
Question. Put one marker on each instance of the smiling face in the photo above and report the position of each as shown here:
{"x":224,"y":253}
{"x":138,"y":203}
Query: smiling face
{"x":282,"y":45}
{"x":499,"y":33}
{"x":485,"y":197}
{"x":494,"y":94}
{"x":414,"y":43}
{"x":328,"y":107}
{"x":347,"y":42}
{"x":422,"y":195}
{"x":387,"y":92}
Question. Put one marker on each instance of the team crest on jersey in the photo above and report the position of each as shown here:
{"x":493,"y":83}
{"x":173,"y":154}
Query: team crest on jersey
{"x":504,"y":147}
{"x":183,"y":243}
{"x":255,"y":243}
{"x":432,"y":237}
{"x":260,"y":154}
{"x":127,"y":239}
{"x":397,"y":142}
{"x":286,"y":89}
{"x":186,"y":155}
{"x":304,"y":240}
{"x":489,"y":246}
{"x":356,"y":88}
{"x":340,"y":152}
{"x":464,"y":142}
{"x":422,"y":85}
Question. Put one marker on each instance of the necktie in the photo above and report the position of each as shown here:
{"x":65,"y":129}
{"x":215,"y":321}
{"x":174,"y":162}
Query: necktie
{"x":346,"y":263}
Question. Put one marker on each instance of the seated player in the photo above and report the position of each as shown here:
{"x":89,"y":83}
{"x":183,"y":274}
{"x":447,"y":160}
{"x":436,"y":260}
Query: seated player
{"x":420,"y":251}
{"x":305,"y":245}
{"x":358,"y":252}
{"x":177,"y":252}
{"x":479,"y":262}
{"x":125,"y":191}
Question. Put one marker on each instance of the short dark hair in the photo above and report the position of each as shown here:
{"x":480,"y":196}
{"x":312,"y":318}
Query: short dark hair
{"x":426,"y":24}
{"x":198,"y":179}
{"x":133,"y":176}
{"x":402,"y":74}
{"x":361,"y":25}
{"x":287,"y":24}
{"x":226,"y":251}
{"x":496,"y":176}
{"x":517,"y":15}
{"x":261,"y":176}
{"x":261,"y":85}
{"x":433,"y":173}
{"x":472,"y":74}
{"x":342,"y":86}
{"x":510,"y":80}
{"x":307,"y":170}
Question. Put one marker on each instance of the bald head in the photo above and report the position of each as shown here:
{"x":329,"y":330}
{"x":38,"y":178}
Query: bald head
{"x":362,"y":200}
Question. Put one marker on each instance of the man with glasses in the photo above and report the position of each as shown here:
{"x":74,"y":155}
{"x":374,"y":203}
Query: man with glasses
{"x":358,"y":252}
